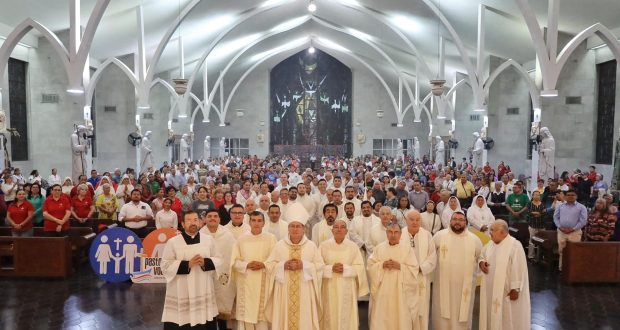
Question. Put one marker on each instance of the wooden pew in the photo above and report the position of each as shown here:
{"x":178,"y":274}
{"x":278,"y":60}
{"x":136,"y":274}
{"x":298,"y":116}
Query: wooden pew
{"x":80,"y":239}
{"x":35,"y":256}
{"x":591,"y":262}
{"x":547,"y":248}
{"x":519,"y":230}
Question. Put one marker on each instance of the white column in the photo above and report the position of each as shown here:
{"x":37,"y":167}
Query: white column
{"x":138,"y":161}
{"x":535,"y":156}
{"x":484,"y":151}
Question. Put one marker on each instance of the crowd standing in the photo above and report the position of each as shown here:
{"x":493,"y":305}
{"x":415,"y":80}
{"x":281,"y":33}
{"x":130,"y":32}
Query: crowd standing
{"x":280,"y":243}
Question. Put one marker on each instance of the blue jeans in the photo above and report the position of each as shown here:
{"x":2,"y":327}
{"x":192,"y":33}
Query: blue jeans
{"x":23,"y":233}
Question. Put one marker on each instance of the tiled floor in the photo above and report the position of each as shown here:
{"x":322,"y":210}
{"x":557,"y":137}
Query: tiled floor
{"x":85,"y":302}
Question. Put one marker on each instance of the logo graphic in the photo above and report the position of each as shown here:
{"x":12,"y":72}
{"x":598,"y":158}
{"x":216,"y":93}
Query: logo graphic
{"x":114,"y":254}
{"x":150,"y":260}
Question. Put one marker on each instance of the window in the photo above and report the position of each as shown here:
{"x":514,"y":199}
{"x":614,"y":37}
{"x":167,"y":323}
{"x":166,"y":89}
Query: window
{"x":18,"y":109}
{"x":605,"y":113}
{"x":233,"y":147}
{"x":389,"y":147}
{"x":512,"y":111}
{"x":238,"y":147}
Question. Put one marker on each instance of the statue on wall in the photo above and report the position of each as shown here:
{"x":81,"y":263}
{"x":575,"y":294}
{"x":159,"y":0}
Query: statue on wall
{"x":399,"y":149}
{"x":146,"y":149}
{"x":416,"y":148}
{"x":207,"y":148}
{"x":79,"y":146}
{"x":184,"y":152}
{"x":546,"y":150}
{"x":222,"y":147}
{"x":477,"y":150}
{"x":440,"y":151}
{"x":4,"y":154}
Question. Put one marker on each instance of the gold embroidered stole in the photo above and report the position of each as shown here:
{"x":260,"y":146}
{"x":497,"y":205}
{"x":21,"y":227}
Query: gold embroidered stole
{"x":293,"y":290}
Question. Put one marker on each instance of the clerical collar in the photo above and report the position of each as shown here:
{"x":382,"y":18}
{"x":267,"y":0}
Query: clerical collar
{"x":239,"y":225}
{"x":189,"y":240}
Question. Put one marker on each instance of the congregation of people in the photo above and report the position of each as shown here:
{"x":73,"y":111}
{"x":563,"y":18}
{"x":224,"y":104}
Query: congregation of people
{"x":271,"y":244}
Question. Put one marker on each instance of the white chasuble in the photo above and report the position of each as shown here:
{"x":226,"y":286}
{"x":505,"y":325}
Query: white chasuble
{"x":294,"y":303}
{"x":321,"y":232}
{"x":251,"y":285}
{"x":507,"y":271}
{"x":190,"y":298}
{"x":454,"y":289}
{"x":224,"y":288}
{"x":394,"y":293}
{"x":426,"y":255}
{"x":340,"y":291}
{"x":237,"y":230}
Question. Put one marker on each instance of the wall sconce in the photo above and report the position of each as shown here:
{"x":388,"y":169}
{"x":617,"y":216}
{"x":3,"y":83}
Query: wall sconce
{"x":240,"y":112}
{"x":380,"y":113}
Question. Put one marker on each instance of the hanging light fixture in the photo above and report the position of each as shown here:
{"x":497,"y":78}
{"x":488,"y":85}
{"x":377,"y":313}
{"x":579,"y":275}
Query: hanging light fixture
{"x":437,"y":86}
{"x":180,"y":84}
{"x":438,"y":83}
{"x":312,"y":6}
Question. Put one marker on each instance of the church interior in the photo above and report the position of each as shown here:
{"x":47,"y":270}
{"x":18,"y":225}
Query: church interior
{"x":197,"y":93}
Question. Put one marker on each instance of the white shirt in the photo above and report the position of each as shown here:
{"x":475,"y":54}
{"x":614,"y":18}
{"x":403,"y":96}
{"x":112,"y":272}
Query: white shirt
{"x":131,"y":210}
{"x":53,"y":179}
{"x":166,"y":219}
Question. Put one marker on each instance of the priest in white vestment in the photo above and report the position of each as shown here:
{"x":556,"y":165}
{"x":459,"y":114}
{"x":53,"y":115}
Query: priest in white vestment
{"x":393,"y":271}
{"x":295,"y":270}
{"x":319,"y":198}
{"x":344,"y":280}
{"x":189,"y":262}
{"x":236,"y":225}
{"x":377,"y":232}
{"x":322,"y":231}
{"x":422,"y":242}
{"x":304,"y":199}
{"x":250,"y":274}
{"x":458,"y":253}
{"x":350,"y":197}
{"x":275,"y":225}
{"x":359,"y":229}
{"x":505,"y":290}
{"x":224,"y":289}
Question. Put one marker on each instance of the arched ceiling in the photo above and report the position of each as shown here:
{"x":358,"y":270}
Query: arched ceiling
{"x":506,"y":33}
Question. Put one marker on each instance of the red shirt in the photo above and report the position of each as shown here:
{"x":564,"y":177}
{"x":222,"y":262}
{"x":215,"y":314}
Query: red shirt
{"x":57,"y":209}
{"x":177,"y":207}
{"x":81,"y":207}
{"x":91,"y":191}
{"x":19,"y":214}
{"x":219,"y":202}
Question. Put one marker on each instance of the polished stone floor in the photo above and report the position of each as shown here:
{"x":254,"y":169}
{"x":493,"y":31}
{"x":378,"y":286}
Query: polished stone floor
{"x":85,"y":302}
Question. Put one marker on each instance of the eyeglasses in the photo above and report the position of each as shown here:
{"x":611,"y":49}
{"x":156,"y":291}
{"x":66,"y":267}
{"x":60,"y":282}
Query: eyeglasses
{"x":236,"y":213}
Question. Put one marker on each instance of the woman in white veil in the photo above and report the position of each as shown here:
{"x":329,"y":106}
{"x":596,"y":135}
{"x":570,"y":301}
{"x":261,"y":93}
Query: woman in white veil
{"x":453,"y":206}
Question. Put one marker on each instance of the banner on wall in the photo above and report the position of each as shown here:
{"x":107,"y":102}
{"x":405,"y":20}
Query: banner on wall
{"x":150,"y":260}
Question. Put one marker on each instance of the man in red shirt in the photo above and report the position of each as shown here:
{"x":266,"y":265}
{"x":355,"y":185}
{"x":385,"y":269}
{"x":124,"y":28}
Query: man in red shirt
{"x":56,"y":212}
